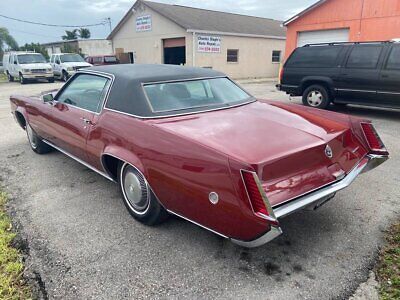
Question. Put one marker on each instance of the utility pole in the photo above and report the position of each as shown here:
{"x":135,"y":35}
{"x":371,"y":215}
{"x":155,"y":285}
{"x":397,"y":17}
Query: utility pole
{"x":108,"y":20}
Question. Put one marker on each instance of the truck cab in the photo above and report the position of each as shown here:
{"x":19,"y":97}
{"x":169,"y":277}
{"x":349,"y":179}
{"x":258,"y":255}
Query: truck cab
{"x":66,"y":64}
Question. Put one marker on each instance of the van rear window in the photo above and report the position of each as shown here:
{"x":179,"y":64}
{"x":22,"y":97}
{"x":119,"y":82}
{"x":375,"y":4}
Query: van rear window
{"x":314,"y":57}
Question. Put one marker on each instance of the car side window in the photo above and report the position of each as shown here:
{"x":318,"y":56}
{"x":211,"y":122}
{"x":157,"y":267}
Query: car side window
{"x":393,"y":62}
{"x":364,"y":57}
{"x":85,"y":91}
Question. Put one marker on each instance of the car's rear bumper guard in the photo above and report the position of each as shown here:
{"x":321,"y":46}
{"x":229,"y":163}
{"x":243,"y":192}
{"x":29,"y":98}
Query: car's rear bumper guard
{"x":315,"y":198}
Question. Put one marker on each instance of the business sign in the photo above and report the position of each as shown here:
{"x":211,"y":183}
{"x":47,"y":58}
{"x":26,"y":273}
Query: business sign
{"x":143,"y":23}
{"x":209,"y":43}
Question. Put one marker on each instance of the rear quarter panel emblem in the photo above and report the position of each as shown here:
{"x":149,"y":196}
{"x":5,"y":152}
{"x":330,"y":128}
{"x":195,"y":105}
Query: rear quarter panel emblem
{"x":328,"y":151}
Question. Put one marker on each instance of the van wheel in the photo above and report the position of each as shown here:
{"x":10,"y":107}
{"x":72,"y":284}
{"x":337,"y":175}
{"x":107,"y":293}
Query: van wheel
{"x":316,"y":96}
{"x":22,"y":80}
{"x":138,"y":197}
{"x":36,"y":142}
{"x":64,"y":76}
{"x":9,"y":77}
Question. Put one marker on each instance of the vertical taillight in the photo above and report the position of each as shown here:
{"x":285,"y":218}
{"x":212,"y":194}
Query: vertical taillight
{"x":374,"y":141}
{"x":257,"y":198}
{"x":281,"y":71}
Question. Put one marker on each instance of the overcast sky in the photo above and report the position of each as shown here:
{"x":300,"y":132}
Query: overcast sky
{"x":77,"y":12}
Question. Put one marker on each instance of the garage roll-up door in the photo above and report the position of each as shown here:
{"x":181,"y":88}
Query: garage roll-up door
{"x":322,"y":36}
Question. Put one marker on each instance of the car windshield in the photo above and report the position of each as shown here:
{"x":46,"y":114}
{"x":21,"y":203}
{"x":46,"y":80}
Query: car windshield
{"x":195,"y":94}
{"x":71,"y":58}
{"x":110,"y":59}
{"x":31,"y":58}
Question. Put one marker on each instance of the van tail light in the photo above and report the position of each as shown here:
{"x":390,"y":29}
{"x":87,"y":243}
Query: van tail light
{"x":281,"y":71}
{"x":374,"y":141}
{"x":257,"y":197}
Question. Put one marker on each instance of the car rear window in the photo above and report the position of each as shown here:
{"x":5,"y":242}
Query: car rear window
{"x":110,"y":59}
{"x":314,"y":57}
{"x":200,"y":94}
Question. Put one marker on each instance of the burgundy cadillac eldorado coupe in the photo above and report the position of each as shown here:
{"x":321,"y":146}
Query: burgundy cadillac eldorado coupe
{"x":190,"y":142}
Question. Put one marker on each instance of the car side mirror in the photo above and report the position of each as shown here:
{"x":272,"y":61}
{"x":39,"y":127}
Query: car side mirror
{"x":15,"y":63}
{"x":48,"y":98}
{"x":57,"y":62}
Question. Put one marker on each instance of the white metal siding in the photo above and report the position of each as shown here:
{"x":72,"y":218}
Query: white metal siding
{"x":322,"y":36}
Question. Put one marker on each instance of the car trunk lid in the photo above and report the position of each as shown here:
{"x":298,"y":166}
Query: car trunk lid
{"x":290,"y":152}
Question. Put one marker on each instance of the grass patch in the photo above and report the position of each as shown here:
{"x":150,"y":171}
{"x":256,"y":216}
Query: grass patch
{"x":3,"y":77}
{"x":12,"y":285}
{"x":388,"y":269}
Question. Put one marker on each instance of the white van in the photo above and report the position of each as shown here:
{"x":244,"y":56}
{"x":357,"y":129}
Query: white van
{"x":27,"y":66}
{"x":66,"y":64}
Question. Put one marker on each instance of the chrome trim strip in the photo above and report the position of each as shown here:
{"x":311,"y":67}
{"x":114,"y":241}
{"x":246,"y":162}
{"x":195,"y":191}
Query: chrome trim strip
{"x":368,"y":163}
{"x":360,"y":91}
{"x":184,"y":114}
{"x":180,"y":216}
{"x":266,"y":238}
{"x":388,"y":93}
{"x":79,"y":160}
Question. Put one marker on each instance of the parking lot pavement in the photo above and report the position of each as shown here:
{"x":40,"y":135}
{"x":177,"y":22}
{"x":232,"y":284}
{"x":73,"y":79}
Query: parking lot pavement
{"x":83,"y":244}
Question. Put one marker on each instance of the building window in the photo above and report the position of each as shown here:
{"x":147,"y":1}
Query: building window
{"x":232,"y":55}
{"x":276,"y":56}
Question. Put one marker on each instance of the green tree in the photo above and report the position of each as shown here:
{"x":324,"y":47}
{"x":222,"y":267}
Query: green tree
{"x":7,"y":39}
{"x":70,"y":35}
{"x":36,"y":47}
{"x":84,"y":33}
{"x":67,"y":48}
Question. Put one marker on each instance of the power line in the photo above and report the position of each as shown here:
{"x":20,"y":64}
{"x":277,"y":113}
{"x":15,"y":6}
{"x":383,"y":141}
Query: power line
{"x":27,"y":32}
{"x":53,"y":25}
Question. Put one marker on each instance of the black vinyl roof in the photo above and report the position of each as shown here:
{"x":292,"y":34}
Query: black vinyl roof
{"x":145,"y":73}
{"x":127,"y":94}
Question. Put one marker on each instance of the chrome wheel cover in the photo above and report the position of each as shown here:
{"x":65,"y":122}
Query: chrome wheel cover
{"x":135,"y":189}
{"x":315,"y":98}
{"x":31,"y":136}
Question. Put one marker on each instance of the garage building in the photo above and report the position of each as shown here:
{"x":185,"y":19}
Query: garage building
{"x":241,"y":46}
{"x":344,"y":21}
{"x":87,"y":47}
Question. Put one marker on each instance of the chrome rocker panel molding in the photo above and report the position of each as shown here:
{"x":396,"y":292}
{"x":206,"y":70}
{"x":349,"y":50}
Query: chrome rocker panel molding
{"x":79,"y":160}
{"x":366,"y":164}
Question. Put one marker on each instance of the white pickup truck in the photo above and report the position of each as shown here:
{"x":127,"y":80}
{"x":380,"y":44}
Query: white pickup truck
{"x":66,"y":64}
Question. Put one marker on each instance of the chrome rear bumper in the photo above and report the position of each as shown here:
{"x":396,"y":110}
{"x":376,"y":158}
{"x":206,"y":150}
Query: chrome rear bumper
{"x":315,"y":198}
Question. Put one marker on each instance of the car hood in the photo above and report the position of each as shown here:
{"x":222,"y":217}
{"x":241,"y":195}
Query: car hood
{"x":77,"y":64}
{"x":36,"y":66}
{"x":256,"y":132}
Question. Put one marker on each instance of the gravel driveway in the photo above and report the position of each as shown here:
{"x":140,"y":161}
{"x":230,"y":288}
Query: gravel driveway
{"x":83,"y":244}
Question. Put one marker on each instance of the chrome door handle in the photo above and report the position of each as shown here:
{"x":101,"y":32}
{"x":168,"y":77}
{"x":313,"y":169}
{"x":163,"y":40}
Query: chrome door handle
{"x":86,"y":121}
